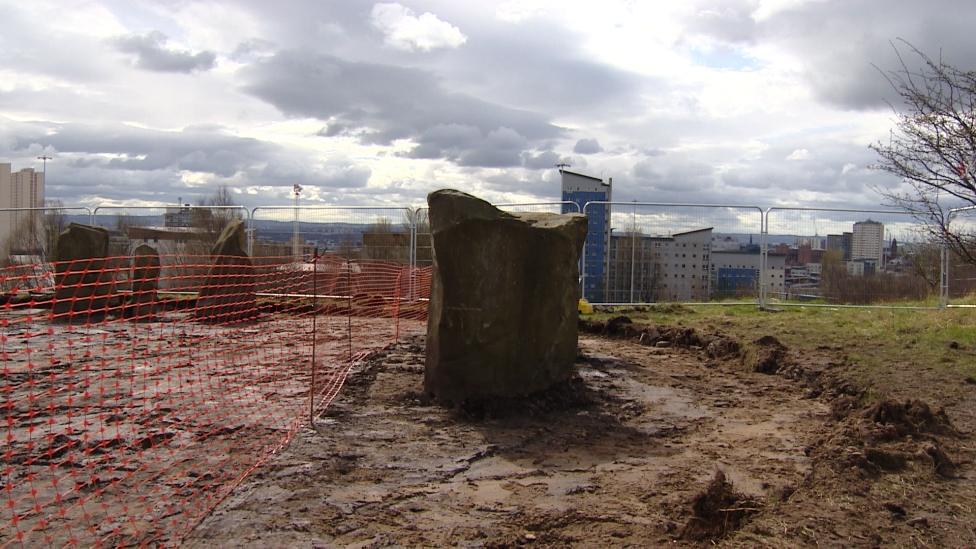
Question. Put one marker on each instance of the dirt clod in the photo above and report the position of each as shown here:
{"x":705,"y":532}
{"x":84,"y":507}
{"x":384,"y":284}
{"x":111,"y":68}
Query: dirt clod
{"x":842,"y":406}
{"x":770,"y":355}
{"x":722,"y":347}
{"x":896,"y":510}
{"x":886,"y":460}
{"x":944,"y":467}
{"x":718,"y":510}
{"x":615,"y":325}
{"x":919,"y":522}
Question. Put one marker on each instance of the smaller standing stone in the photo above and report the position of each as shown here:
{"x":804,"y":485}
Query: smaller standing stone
{"x":83,"y":285}
{"x":145,"y":281}
{"x":228,"y":293}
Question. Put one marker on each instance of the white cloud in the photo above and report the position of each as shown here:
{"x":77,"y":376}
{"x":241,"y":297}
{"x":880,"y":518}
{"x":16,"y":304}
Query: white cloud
{"x":799,"y":154}
{"x":517,"y":11}
{"x":406,"y":31}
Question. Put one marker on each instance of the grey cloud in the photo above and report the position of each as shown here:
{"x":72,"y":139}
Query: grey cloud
{"x":152,"y":54}
{"x":254,"y":48}
{"x":131,"y":148}
{"x":385,"y":103}
{"x":728,"y":20}
{"x":587,"y":146}
{"x":674,"y":174}
{"x":118,"y":162}
{"x":500,"y":148}
{"x":545,"y":160}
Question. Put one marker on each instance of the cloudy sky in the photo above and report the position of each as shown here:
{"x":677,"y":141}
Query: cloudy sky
{"x":766,"y":102}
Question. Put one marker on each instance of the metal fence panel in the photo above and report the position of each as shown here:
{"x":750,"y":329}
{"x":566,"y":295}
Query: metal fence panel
{"x":364,"y":233}
{"x":649,"y":253}
{"x":852,"y":257}
{"x":29,"y":235}
{"x":182,"y":236}
{"x":960,"y":269}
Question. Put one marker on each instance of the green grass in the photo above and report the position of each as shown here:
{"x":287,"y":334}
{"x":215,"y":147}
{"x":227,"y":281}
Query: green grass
{"x":898,"y":351}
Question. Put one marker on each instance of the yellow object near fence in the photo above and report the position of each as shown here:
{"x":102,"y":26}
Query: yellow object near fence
{"x":585,"y":308}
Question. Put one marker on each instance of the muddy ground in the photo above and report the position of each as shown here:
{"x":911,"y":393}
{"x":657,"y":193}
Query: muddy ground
{"x":627,"y":454}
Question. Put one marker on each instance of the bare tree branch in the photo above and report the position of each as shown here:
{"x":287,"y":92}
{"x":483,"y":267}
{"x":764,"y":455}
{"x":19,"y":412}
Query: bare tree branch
{"x":933,"y":146}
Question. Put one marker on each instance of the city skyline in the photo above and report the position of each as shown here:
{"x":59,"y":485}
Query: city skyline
{"x":382,"y":102}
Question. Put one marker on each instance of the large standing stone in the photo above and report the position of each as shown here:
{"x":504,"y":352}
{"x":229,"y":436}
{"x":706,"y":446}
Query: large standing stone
{"x":83,"y":283}
{"x":503,"y":307}
{"x":145,"y":281}
{"x":228,"y":292}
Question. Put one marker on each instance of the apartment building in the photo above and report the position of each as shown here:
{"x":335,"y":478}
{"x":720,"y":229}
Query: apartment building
{"x":580,"y":189}
{"x":664,"y":268}
{"x":21,"y":189}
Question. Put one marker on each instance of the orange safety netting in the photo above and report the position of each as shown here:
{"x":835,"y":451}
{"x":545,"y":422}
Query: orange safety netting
{"x":135,"y":394}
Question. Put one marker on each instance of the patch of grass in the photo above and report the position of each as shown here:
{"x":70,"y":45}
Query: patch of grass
{"x":889,"y":351}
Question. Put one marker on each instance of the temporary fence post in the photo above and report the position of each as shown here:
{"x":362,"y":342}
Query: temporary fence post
{"x":944,"y":264}
{"x":349,"y":316}
{"x":763,"y":256}
{"x":396,"y":306}
{"x":633,"y":251}
{"x":250,"y":231}
{"x":583,"y":259}
{"x":315,"y":295}
{"x":414,"y":218}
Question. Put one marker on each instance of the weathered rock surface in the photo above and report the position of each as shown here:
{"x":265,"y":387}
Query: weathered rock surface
{"x":145,"y":281}
{"x":228,"y":292}
{"x":502,"y":320}
{"x":83,"y":285}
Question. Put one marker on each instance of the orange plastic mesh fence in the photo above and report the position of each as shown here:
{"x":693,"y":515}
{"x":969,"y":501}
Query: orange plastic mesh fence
{"x":136,"y":394}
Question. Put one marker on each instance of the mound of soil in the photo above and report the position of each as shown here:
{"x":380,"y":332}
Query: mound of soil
{"x":723,"y":347}
{"x":894,"y":420}
{"x":715,"y":345}
{"x":770,"y":356}
{"x":718,"y":510}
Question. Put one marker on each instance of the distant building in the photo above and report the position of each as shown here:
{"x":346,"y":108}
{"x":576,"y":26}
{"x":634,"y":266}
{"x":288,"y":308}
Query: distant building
{"x":581,"y":189}
{"x":840,"y":243}
{"x":861,"y":267}
{"x":867,"y":242}
{"x":725,"y":244}
{"x":22,"y":189}
{"x":805,"y":254}
{"x":736,"y":273}
{"x":666,"y":268}
{"x":179,"y":216}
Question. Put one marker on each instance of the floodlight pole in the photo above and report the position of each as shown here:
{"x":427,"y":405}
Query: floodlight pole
{"x":34,"y":222}
{"x":296,"y":246}
{"x":44,"y":158}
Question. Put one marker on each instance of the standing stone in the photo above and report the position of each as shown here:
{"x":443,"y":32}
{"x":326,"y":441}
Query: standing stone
{"x":228,"y":292}
{"x":503,"y":307}
{"x":145,"y":281}
{"x":83,"y":283}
